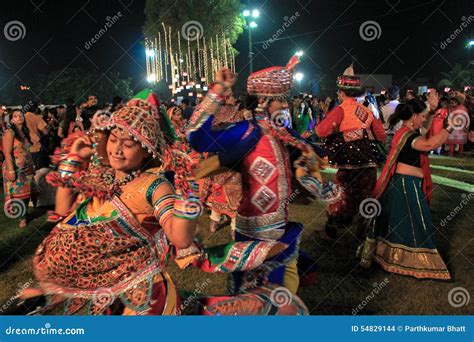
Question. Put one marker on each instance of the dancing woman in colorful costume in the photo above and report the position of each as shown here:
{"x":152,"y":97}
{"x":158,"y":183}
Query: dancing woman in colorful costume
{"x":257,"y":149}
{"x":351,"y":131}
{"x":19,"y":185}
{"x":401,"y":239}
{"x":110,"y":254}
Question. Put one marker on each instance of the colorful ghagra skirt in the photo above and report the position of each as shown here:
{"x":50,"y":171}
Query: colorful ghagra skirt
{"x":403,"y":235}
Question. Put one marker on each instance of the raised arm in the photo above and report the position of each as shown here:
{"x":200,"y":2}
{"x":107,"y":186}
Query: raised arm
{"x":81,"y":151}
{"x":422,"y":144}
{"x":176,"y":215}
{"x":330,"y":123}
{"x":200,"y":134}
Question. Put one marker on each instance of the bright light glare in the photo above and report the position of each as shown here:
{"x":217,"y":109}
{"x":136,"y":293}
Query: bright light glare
{"x":299,"y":76}
{"x":151,"y":78}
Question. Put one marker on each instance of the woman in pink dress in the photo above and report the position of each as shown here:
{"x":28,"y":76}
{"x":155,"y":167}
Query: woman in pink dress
{"x":459,"y":116}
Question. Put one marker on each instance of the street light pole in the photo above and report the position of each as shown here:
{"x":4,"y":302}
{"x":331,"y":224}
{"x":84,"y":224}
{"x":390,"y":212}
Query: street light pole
{"x":250,"y":25}
{"x":250,"y":49}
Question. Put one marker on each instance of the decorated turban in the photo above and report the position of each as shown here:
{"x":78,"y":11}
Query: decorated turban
{"x":274,"y":82}
{"x":349,"y":82}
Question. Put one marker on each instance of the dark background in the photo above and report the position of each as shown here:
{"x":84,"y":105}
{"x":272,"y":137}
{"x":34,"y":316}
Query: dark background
{"x":328,"y":31}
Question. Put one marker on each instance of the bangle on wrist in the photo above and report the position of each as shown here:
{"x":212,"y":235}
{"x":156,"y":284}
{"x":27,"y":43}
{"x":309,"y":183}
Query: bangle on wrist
{"x":74,"y":156}
{"x":73,"y":163}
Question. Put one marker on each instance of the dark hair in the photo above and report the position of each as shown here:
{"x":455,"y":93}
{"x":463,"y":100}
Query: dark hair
{"x":353,"y":92}
{"x":185,"y":101}
{"x":69,"y":102}
{"x":331,"y":105}
{"x":116,"y":100}
{"x":31,"y":106}
{"x":24,"y":129}
{"x":393,"y":92}
{"x":251,"y":102}
{"x":405,"y":111}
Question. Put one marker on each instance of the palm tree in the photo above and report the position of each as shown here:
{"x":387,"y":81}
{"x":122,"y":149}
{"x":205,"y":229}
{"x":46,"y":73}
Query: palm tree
{"x":458,"y":77}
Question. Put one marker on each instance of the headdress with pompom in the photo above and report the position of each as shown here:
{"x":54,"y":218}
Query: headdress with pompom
{"x":274,"y":82}
{"x":348,"y":81}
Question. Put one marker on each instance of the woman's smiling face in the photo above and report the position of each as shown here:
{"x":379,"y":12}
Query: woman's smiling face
{"x":125,"y":154}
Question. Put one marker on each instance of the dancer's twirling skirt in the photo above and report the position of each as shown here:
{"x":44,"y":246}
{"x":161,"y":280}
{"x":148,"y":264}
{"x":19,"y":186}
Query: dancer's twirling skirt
{"x":402,"y":240}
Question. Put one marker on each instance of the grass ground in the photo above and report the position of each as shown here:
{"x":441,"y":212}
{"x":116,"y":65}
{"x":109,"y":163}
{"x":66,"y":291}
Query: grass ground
{"x":340,"y":287}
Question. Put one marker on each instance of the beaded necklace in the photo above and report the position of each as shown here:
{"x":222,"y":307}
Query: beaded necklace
{"x":116,"y":184}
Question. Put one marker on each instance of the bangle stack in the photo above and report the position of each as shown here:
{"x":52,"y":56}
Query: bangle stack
{"x":72,"y":164}
{"x":214,"y":98}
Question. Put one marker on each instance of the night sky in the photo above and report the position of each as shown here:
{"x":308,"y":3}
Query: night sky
{"x":409,"y":44}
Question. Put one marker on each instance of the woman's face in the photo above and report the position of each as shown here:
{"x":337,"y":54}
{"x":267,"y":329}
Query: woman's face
{"x":125,"y":154}
{"x":418,"y":120}
{"x":17,"y":118}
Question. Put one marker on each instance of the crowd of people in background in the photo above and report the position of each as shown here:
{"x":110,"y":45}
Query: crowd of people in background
{"x":308,"y":110}
{"x":237,"y":155}
{"x":45,"y":126}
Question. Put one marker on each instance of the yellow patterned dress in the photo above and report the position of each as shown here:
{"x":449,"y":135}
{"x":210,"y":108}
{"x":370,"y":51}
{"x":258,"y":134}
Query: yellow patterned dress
{"x":24,"y":186}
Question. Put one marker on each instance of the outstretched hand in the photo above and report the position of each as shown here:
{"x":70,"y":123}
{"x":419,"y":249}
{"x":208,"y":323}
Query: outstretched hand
{"x":83,"y":147}
{"x":225,"y":79}
{"x":433,"y":99}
